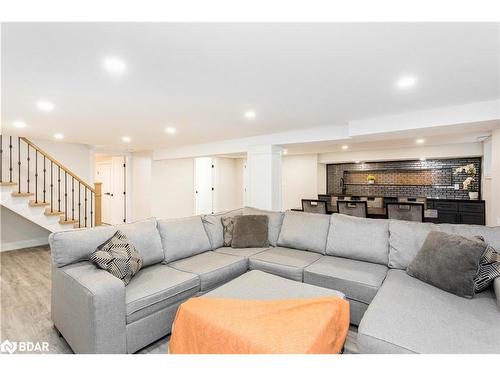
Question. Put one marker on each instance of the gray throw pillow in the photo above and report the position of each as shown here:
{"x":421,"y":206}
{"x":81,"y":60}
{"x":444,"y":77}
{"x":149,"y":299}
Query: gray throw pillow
{"x":250,"y":231}
{"x":449,"y":262}
{"x":227,"y":230}
{"x":489,"y":269}
{"x":118,"y":257}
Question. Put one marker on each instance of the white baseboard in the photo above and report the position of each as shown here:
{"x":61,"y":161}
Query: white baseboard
{"x":7,"y":246}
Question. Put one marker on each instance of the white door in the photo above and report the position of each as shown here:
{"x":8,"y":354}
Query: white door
{"x":104,"y":174}
{"x":111,"y":174}
{"x":118,"y":207}
{"x":203,"y":185}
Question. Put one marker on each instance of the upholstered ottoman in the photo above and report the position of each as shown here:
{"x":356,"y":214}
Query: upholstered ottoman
{"x":262,"y":313}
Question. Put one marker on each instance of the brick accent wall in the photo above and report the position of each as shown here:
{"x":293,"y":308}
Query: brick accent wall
{"x":413,"y":178}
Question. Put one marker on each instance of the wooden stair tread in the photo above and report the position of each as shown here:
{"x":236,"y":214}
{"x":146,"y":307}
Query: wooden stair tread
{"x":69,"y":221}
{"x":53,"y":213}
{"x":22,"y":194}
{"x":32,"y":203}
{"x":8,"y":183}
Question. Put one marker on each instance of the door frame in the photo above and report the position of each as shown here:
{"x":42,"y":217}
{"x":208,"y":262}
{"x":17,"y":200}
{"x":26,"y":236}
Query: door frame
{"x":127,"y":158}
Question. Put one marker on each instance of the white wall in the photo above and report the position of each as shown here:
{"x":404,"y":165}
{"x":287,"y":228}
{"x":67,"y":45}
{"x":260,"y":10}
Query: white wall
{"x":300,"y":179}
{"x":172,"y":188}
{"x":491,"y":184}
{"x":16,"y":232}
{"x":141,"y":186}
{"x":228,"y":184}
{"x":78,"y":158}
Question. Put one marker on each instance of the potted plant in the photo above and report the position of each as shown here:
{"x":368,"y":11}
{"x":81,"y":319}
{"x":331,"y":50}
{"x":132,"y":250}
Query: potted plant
{"x":468,"y":183}
{"x":371,"y":179}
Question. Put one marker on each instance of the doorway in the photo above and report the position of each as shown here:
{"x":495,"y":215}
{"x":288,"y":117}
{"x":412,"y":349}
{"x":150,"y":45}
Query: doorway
{"x":111,"y":172}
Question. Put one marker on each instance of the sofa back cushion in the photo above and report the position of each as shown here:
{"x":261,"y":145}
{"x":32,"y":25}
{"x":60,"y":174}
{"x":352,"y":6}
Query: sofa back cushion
{"x":214,"y":228}
{"x":274,"y":223}
{"x":182,"y":238}
{"x":406,"y":238}
{"x":304,"y":231}
{"x":73,"y":246}
{"x":359,"y":238}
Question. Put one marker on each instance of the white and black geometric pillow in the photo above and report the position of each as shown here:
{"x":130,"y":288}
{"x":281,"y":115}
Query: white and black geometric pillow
{"x":228,"y":228}
{"x":489,"y":269}
{"x":118,"y":257}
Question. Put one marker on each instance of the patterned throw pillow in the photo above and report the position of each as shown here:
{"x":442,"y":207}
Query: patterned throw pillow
{"x":228,"y":228}
{"x":118,"y":257}
{"x":489,"y":269}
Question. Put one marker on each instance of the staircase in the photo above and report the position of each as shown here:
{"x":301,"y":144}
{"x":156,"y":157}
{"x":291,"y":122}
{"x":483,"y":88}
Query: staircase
{"x":41,"y":189}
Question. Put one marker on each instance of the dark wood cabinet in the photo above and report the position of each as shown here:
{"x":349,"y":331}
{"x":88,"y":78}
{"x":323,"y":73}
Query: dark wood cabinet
{"x":458,"y":212}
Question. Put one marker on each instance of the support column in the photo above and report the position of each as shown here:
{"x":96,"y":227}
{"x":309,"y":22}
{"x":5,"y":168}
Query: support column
{"x":264,"y":177}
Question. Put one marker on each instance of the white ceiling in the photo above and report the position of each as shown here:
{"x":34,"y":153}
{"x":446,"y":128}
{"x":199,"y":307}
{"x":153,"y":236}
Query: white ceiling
{"x":201,"y":78}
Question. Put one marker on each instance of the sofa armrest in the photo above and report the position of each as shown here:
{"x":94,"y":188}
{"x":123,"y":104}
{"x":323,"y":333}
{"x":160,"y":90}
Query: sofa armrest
{"x":496,"y":289}
{"x":88,"y":308}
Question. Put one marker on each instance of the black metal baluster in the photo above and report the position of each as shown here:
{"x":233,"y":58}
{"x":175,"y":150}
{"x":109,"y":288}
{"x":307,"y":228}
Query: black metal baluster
{"x":28,"y":179}
{"x":124,"y":190}
{"x":44,"y":185}
{"x":36,"y":176}
{"x":85,"y":206}
{"x":10,"y":159}
{"x":73,"y":199}
{"x":91,"y":209}
{"x":19,"y":165}
{"x":51,"y":186}
{"x":79,"y":203}
{"x":59,"y":189}
{"x":65,"y":196}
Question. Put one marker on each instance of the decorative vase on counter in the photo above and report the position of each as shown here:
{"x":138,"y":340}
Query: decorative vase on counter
{"x":473,"y":195}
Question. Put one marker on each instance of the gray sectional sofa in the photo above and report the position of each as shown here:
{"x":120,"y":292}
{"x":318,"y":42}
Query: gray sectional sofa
{"x":365,"y":259}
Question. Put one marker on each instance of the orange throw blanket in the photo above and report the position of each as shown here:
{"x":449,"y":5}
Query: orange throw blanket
{"x":226,"y":326}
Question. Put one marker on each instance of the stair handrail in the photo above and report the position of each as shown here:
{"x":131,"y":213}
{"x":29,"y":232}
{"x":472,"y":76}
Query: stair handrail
{"x":63,"y":167}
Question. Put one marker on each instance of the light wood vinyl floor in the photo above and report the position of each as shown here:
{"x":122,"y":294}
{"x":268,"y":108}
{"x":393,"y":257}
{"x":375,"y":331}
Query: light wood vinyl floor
{"x":25,"y":303}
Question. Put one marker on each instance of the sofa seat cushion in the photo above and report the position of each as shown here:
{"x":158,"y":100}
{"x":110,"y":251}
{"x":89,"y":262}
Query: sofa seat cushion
{"x":358,"y":280}
{"x":284,"y":262}
{"x":213,"y":268}
{"x":408,"y":315}
{"x":245,"y":252}
{"x":304,"y":231}
{"x":156,"y":287}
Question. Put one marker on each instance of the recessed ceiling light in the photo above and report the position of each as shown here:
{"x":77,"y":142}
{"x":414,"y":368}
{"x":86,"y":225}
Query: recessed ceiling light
{"x":114,"y":65}
{"x":170,"y":130}
{"x":420,"y":141}
{"x":250,"y":115}
{"x":345,"y":147}
{"x":58,"y":136}
{"x":126,"y":139}
{"x":19,"y":124}
{"x":406,"y":82}
{"x":45,"y":106}
{"x":285,"y":151}
{"x":423,"y":159}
